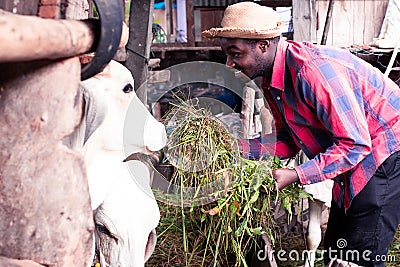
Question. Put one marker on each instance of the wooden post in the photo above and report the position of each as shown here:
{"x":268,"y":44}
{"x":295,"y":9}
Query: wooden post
{"x":139,"y":43}
{"x":190,"y":23}
{"x":44,"y":205}
{"x":169,"y":19}
{"x":305,"y":20}
{"x":327,"y":22}
{"x":42,"y":38}
{"x":45,"y":211}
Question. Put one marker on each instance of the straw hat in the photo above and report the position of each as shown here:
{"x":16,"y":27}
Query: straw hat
{"x":247,"y":20}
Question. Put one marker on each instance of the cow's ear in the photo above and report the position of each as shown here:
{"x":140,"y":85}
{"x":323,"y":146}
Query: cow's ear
{"x":95,"y":107}
{"x":124,"y":35}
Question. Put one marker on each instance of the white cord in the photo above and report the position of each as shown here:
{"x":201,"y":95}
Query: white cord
{"x":394,"y":55}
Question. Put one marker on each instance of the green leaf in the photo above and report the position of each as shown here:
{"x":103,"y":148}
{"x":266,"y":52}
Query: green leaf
{"x":303,"y":194}
{"x":203,"y":217}
{"x":254,"y":197}
{"x":257,"y":231}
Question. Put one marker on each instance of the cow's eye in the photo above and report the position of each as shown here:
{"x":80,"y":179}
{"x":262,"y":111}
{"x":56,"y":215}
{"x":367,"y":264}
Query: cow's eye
{"x":104,"y":230}
{"x":128,"y":88}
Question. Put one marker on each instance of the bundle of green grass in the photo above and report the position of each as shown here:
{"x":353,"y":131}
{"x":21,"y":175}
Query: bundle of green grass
{"x":218,"y":214}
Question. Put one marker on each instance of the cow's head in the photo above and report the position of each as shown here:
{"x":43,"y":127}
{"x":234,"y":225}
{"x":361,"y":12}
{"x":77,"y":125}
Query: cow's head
{"x":125,"y":211}
{"x":126,"y":221}
{"x":151,"y":137}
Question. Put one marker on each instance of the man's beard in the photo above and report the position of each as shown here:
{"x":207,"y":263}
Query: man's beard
{"x":261,"y":68}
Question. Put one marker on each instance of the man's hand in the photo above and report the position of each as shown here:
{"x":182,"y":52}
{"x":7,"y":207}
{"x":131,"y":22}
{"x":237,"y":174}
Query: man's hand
{"x":285,"y":177}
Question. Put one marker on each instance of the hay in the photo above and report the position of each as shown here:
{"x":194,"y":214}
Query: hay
{"x":225,"y":221}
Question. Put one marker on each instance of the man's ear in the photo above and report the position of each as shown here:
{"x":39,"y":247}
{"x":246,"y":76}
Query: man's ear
{"x":263,"y":44}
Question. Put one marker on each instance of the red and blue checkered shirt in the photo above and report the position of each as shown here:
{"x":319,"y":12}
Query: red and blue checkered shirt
{"x":342,"y":112}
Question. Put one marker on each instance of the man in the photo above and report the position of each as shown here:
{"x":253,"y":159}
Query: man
{"x":343,"y":113}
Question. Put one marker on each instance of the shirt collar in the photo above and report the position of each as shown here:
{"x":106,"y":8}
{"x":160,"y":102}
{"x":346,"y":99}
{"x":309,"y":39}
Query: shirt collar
{"x":278,"y":71}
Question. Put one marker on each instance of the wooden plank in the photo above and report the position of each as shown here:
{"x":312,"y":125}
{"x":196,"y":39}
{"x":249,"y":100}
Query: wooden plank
{"x":359,"y":17}
{"x":210,"y":17}
{"x":184,"y":48}
{"x":301,"y":20}
{"x":376,"y":12}
{"x":190,"y":23}
{"x":314,"y":22}
{"x":43,"y":38}
{"x":140,"y":38}
{"x":197,"y":25}
{"x":328,"y":22}
{"x":169,"y":27}
{"x":342,"y":26}
{"x":322,"y":9}
{"x":369,"y":22}
{"x":353,"y":22}
{"x":304,"y":20}
{"x":380,"y":7}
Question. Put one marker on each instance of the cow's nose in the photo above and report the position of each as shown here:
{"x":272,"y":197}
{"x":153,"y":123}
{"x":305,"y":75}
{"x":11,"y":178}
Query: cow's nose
{"x":151,"y":244}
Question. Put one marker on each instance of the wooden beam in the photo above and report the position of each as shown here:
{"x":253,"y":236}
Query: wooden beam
{"x":304,"y":21}
{"x":139,"y":43}
{"x":169,"y":19}
{"x":43,"y":38}
{"x":327,"y":22}
{"x":190,"y":23}
{"x":40,"y":103}
{"x":276,"y":3}
{"x":185,"y":48}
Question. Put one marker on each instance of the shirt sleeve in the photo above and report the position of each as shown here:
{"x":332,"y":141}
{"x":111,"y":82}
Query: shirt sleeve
{"x":334,"y":92}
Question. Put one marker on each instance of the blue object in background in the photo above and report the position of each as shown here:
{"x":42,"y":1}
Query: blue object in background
{"x":161,"y":5}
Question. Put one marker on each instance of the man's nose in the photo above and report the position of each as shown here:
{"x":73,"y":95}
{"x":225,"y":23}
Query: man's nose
{"x":229,"y":62}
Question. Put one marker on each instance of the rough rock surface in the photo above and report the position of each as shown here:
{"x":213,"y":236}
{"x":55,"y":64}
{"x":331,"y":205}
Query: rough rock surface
{"x":45,"y":212}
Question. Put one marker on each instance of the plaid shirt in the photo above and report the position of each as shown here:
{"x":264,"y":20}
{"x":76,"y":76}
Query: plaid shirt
{"x":343,"y":113}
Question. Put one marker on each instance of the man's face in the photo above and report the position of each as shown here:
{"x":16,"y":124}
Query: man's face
{"x":253,"y":59}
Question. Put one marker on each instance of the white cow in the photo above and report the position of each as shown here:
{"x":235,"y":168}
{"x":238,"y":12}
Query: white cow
{"x":322,"y":195}
{"x":125,"y":210}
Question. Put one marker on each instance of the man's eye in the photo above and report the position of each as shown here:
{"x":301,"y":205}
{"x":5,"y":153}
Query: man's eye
{"x":235,"y":55}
